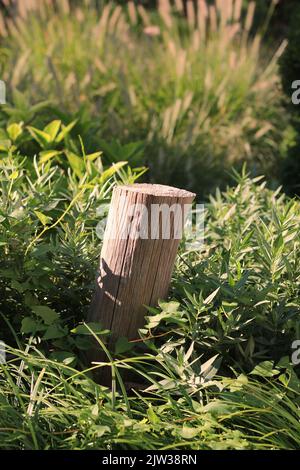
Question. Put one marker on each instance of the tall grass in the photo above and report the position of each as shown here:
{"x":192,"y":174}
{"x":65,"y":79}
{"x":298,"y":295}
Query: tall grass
{"x":268,"y":411}
{"x":49,"y":405}
{"x":198,"y":91}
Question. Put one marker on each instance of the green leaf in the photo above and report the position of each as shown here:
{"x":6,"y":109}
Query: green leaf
{"x":66,"y":357}
{"x":46,"y":155}
{"x":43,"y":218}
{"x":265,"y":369}
{"x":95,"y":410}
{"x":211,"y":297}
{"x":111,"y":171}
{"x":169,"y":307}
{"x":52,"y":129}
{"x":238,"y":383}
{"x":20,"y":287}
{"x":155,"y":320}
{"x":28,"y":325}
{"x":14,"y":131}
{"x":95,"y":327}
{"x":152,"y":416}
{"x":65,"y":131}
{"x":82,"y":342}
{"x":46,"y":313}
{"x":40,"y":136}
{"x":218,"y":407}
{"x":123,"y":345}
{"x":5,"y":145}
{"x":210,"y":367}
{"x":76,"y":163}
{"x":92,"y":156}
{"x":100,"y":430}
{"x":55,"y":331}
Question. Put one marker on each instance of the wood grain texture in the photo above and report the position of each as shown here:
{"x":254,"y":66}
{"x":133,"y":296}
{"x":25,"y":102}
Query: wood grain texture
{"x":134,"y":270}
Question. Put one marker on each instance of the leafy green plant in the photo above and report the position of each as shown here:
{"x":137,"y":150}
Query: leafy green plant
{"x":233,"y":310}
{"x":47,"y":404}
{"x":189,"y":92}
{"x":48,"y":241}
{"x":238,"y":295}
{"x":197,"y":90}
{"x":267,"y":409}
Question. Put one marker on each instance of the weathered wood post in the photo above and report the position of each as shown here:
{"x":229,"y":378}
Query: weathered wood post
{"x":142,"y":234}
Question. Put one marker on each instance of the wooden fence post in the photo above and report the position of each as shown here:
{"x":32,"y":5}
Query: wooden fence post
{"x":142,"y":234}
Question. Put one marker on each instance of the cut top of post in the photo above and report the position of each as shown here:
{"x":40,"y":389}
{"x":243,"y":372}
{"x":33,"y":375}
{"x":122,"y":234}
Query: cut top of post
{"x":159,"y":190}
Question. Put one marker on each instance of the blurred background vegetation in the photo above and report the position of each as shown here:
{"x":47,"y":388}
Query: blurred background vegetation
{"x":188,"y":88}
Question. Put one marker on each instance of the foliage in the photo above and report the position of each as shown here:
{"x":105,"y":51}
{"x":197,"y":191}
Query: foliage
{"x":48,"y":241}
{"x":200,"y":92}
{"x":239,"y":294}
{"x":92,"y":87}
{"x":48,"y":405}
{"x":234,"y":306}
{"x":270,"y":409}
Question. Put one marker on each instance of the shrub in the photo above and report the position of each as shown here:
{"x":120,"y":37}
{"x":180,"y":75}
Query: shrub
{"x":48,"y":242}
{"x":233,"y":309}
{"x":195,"y":91}
{"x":239,"y":295}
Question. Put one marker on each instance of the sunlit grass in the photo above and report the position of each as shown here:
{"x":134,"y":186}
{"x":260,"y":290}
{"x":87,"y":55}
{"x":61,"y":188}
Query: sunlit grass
{"x":202,"y":92}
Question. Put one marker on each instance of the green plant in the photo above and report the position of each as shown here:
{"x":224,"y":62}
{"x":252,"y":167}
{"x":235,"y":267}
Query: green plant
{"x":238,"y":295}
{"x":267,"y":410}
{"x":233,"y":309}
{"x":48,"y":241}
{"x":189,"y":92}
{"x":196,"y":89}
{"x":47,"y":404}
